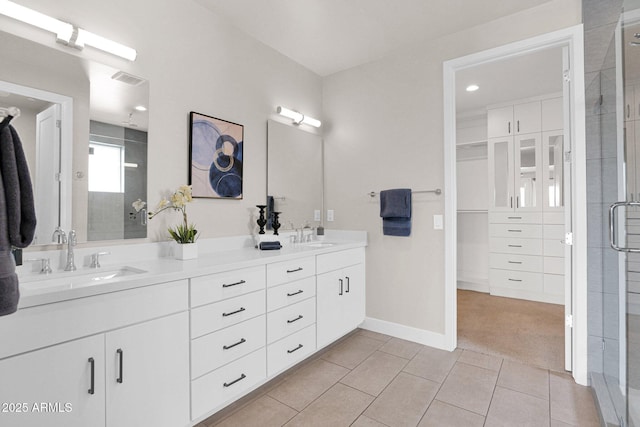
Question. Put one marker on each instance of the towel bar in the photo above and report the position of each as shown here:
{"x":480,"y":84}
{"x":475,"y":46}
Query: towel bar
{"x":437,"y":191}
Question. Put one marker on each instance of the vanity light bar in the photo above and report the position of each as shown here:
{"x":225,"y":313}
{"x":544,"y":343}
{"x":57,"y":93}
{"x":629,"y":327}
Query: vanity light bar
{"x":65,"y":32}
{"x":299,"y":118}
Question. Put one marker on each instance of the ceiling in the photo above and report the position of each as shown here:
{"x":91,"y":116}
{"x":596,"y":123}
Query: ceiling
{"x":327,"y":36}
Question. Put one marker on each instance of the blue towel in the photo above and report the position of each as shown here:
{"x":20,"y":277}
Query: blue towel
{"x":395,"y":210}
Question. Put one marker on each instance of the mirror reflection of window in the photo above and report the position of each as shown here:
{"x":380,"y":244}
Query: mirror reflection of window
{"x":106,"y":167}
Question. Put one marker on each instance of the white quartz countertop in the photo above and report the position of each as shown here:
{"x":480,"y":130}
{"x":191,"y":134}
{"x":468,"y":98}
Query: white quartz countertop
{"x":38,"y":289}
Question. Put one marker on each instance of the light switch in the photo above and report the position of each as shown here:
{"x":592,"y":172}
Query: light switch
{"x":329,"y":214}
{"x":438,"y":223}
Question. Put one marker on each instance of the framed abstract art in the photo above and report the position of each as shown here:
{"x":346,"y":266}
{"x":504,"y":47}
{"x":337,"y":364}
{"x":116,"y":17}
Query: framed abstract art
{"x":215,"y":157}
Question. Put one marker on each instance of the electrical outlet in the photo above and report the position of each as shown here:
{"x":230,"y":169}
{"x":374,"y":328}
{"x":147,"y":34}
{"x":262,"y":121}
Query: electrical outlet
{"x":316,"y":215}
{"x":329,"y":215}
{"x":438,"y":223}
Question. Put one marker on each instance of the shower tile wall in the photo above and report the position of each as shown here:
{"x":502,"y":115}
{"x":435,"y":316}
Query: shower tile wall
{"x":600,"y":20}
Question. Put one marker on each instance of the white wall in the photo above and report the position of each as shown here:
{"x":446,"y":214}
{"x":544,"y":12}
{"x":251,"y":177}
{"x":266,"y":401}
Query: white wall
{"x":386,"y":131}
{"x":194,"y":61}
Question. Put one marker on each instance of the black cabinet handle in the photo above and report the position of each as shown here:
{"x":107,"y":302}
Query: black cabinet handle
{"x":515,"y":246}
{"x":514,"y":217}
{"x":295,"y":293}
{"x":293,"y":271}
{"x":347,"y":277}
{"x":514,"y":231}
{"x":243,"y":376}
{"x":121,"y":362}
{"x":295,"y":349}
{"x":296,"y":319}
{"x":518,"y":125}
{"x":234,"y":312}
{"x":93,"y":375}
{"x":341,"y":286}
{"x":515,"y":262}
{"x":241,"y":282}
{"x":227,"y":347}
{"x":509,"y":129}
{"x":515,"y":280}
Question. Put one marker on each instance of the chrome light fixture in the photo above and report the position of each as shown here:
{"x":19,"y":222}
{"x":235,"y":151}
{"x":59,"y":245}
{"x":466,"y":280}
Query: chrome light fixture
{"x":65,"y":32}
{"x":299,"y":118}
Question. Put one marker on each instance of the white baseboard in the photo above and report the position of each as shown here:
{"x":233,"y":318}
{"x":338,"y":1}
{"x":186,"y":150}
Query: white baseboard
{"x":473,"y":286}
{"x":408,"y":333}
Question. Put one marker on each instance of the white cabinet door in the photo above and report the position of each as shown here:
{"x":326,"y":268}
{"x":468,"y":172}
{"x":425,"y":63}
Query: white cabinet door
{"x":330,"y":307}
{"x":147,"y":373}
{"x":527,"y":117}
{"x":500,"y":156}
{"x":552,"y":114}
{"x":500,"y":122}
{"x":61,"y":385}
{"x":527,"y":172}
{"x":354,"y":294}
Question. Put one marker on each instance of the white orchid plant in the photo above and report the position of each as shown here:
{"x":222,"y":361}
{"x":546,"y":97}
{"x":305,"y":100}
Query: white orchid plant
{"x":184,"y":232}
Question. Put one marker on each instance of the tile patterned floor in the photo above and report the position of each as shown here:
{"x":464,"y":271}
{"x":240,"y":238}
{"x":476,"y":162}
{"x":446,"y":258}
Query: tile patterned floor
{"x":370,"y":379}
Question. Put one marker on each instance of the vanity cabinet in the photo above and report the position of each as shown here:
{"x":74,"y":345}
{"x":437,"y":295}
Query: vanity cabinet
{"x":340,"y":294}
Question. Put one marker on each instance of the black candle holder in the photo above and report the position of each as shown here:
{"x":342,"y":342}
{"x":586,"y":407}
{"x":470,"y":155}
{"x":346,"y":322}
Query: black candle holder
{"x":262,"y":221}
{"x":276,"y":223}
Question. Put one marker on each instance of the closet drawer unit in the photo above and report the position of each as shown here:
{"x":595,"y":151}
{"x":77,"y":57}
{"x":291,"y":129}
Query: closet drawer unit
{"x":216,"y":287}
{"x":290,"y":319}
{"x":528,"y":231}
{"x":553,"y":265}
{"x":515,"y":246}
{"x":225,"y":384}
{"x":531,"y":263}
{"x":515,"y":218}
{"x":211,"y":351}
{"x":290,"y":293}
{"x":289,"y":271}
{"x":554,"y":231}
{"x":337,"y":260}
{"x":213,"y":317}
{"x":519,"y":280}
{"x":554,"y":247}
{"x":290,"y":350}
{"x":553,"y":284}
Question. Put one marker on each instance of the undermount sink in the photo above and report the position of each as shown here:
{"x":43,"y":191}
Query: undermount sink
{"x":76,"y":279}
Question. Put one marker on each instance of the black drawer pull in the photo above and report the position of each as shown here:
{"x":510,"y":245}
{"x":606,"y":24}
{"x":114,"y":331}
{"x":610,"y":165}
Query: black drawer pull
{"x":296,"y":319}
{"x":227,"y":347}
{"x":515,"y":280}
{"x":514,"y":217}
{"x":120,"y":358}
{"x":293,"y":271}
{"x":295,"y":293}
{"x":515,"y":246}
{"x":240,"y":310}
{"x":295,"y":349}
{"x":241,"y":282}
{"x":515,"y":262}
{"x":243,"y":376}
{"x":514,"y":231}
{"x":92,"y":388}
{"x":347,"y":277}
{"x":341,"y":286}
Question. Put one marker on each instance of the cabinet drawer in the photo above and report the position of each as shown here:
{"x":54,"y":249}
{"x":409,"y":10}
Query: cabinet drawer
{"x":554,"y":247}
{"x":515,"y":217}
{"x":213,"y":317}
{"x":519,"y":280}
{"x":553,"y":265}
{"x":225,"y":384}
{"x":216,"y":287}
{"x":289,"y":271}
{"x":290,"y":350}
{"x":553,"y":284}
{"x":554,"y":231}
{"x":531,"y":263}
{"x":516,"y":230}
{"x":337,"y":260}
{"x":554,"y":217}
{"x":211,"y":351}
{"x":290,"y":319}
{"x":290,"y":293}
{"x":515,"y":246}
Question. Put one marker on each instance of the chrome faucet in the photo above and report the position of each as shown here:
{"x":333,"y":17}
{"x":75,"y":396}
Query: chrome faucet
{"x":59,"y":236}
{"x":95,"y":259}
{"x":71,"y":240}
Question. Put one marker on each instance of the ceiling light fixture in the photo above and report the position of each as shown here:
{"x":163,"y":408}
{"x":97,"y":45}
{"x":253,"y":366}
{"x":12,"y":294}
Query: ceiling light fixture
{"x":472,"y":88}
{"x":299,"y":118}
{"x":66,"y":33}
{"x":140,"y":108}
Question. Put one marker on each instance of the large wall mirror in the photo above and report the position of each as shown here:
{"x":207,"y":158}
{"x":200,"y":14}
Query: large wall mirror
{"x":295,"y":174}
{"x":85,"y":141}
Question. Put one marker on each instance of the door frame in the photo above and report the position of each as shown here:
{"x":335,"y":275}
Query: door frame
{"x":573,"y":38}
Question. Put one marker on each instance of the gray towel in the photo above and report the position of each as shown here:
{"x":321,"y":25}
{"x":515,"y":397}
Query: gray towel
{"x":395,"y":210}
{"x":17,"y":213}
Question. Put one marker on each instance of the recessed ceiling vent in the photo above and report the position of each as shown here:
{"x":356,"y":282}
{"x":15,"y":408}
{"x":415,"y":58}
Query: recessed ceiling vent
{"x":127,"y":78}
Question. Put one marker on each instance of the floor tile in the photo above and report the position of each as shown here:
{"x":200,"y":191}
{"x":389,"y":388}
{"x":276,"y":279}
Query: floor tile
{"x":375,"y":335}
{"x":364,"y":421}
{"x":307,"y":384}
{"x":375,"y":373}
{"x":571,"y":403}
{"x":352,"y":351}
{"x":339,"y":406}
{"x":480,"y":360}
{"x":432,"y":363}
{"x":468,"y":387}
{"x":401,"y":348}
{"x":262,"y":412}
{"x":404,"y":401}
{"x":525,"y":379}
{"x":511,"y":408}
{"x":441,"y":414}
{"x":556,"y":423}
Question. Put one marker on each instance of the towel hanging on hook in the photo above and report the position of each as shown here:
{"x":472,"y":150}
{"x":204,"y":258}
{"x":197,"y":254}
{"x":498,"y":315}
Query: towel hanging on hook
{"x":8,"y":114}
